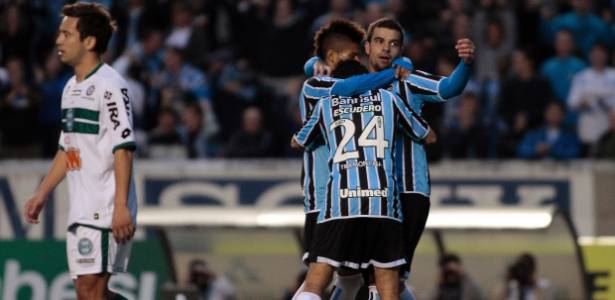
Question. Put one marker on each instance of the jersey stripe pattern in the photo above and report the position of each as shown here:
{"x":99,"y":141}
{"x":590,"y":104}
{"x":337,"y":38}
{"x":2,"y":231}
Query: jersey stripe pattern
{"x":359,"y":132}
{"x":315,"y":170}
{"x":96,"y":122}
{"x":412,"y":172}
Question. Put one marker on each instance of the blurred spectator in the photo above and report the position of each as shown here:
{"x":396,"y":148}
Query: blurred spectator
{"x":586,"y":27}
{"x":187,"y":36}
{"x":178,"y":78}
{"x":252,"y":140}
{"x":561,"y":68}
{"x":15,"y":36}
{"x":211,"y":286}
{"x":19,"y":102}
{"x":337,"y":9}
{"x":238,"y":87}
{"x":606,"y":144}
{"x":593,"y":96}
{"x":494,"y":32}
{"x":165,"y":140}
{"x":51,"y":79}
{"x":523,"y":282}
{"x":522,"y":101}
{"x":466,"y":137}
{"x":453,"y":282}
{"x":193,"y":134}
{"x":148,"y":53}
{"x":552,"y":140}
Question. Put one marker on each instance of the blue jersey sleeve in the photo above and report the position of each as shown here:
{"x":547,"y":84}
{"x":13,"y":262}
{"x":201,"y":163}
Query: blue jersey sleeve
{"x":310,"y":129}
{"x":434,"y":88}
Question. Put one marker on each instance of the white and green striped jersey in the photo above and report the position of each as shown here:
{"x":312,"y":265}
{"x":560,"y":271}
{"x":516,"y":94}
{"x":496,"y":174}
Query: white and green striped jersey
{"x":96,"y":121}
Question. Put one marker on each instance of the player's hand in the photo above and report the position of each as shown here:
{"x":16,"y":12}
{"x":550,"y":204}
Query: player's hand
{"x":294,"y":144}
{"x":465,"y":50}
{"x":121,"y":224}
{"x":401,"y":73}
{"x":431,"y":137}
{"x":33,"y":208}
{"x":321,"y":69}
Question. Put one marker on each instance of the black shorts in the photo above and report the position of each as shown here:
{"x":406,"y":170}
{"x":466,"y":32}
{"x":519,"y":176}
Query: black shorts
{"x":358,"y":243}
{"x":415,"y":209}
{"x":308,"y":234}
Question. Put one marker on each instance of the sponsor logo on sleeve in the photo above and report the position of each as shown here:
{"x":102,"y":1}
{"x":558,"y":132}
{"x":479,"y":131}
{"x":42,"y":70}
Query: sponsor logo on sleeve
{"x":126,"y":133}
{"x":126,"y":100}
{"x":113,"y":114}
{"x":108,"y":95}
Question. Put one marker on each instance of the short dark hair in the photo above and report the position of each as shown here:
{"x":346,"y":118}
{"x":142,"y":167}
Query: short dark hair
{"x":336,"y":30}
{"x":94,"y":20}
{"x":389,"y":23}
{"x":348,"y":68}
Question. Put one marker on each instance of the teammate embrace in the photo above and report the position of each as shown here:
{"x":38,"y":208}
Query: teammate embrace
{"x":365,"y":175}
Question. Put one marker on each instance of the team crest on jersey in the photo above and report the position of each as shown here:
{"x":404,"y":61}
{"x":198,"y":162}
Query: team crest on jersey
{"x":90,"y":90}
{"x":85,"y":246}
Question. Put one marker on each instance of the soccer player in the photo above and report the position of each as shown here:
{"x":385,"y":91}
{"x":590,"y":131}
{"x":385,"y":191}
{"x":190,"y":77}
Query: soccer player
{"x":360,"y":223}
{"x":95,"y":154}
{"x":383,"y":46}
{"x":384,"y":43}
{"x":336,"y":41}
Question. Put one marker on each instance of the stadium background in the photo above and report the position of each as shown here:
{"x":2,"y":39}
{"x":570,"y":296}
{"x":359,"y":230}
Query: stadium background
{"x":216,"y":92}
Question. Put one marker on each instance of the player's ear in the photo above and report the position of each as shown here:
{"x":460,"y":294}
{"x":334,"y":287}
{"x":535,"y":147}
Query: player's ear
{"x":331,"y":57}
{"x":366,"y":47}
{"x":89,"y":42}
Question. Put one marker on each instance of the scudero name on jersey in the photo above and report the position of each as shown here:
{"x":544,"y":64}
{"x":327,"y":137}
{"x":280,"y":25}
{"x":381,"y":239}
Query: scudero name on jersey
{"x":337,"y":101}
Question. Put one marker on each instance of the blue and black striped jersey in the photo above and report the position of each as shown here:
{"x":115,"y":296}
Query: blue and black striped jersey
{"x":411,"y":169}
{"x":315,"y":168}
{"x":360,"y":133}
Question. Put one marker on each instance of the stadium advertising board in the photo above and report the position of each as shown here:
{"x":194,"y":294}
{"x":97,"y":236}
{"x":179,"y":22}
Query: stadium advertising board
{"x":37,"y":270}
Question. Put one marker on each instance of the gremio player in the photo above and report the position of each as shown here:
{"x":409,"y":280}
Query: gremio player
{"x":336,"y":41}
{"x":95,"y":154}
{"x":383,"y":46}
{"x":360,"y":223}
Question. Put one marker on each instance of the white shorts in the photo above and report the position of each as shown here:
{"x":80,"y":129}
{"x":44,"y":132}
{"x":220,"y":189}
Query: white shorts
{"x":92,"y":250}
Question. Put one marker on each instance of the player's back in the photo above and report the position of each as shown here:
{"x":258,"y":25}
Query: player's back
{"x":359,"y":131}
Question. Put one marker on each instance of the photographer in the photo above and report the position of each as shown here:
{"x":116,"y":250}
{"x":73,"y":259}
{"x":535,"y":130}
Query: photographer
{"x":453,"y":282}
{"x":210,"y":285}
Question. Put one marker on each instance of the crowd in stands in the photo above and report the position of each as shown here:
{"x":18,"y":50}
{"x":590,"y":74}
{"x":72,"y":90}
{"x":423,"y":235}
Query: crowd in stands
{"x":221,"y":78}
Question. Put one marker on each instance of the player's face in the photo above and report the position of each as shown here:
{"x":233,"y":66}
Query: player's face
{"x":350,"y":52}
{"x":383,"y":48}
{"x":70,"y":47}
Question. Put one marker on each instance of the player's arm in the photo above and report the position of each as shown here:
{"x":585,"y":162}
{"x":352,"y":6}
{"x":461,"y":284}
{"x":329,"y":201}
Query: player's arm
{"x":434,"y":88}
{"x":121,"y":224}
{"x":360,"y":83}
{"x":309,"y":131}
{"x":119,"y":126}
{"x":54,"y":176}
{"x":411,"y":122}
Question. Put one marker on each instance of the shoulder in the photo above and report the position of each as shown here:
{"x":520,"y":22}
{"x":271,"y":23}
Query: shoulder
{"x":110,"y":78}
{"x":320,"y":81}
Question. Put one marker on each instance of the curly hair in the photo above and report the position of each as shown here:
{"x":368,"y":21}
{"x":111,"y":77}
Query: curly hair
{"x":329,"y":36}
